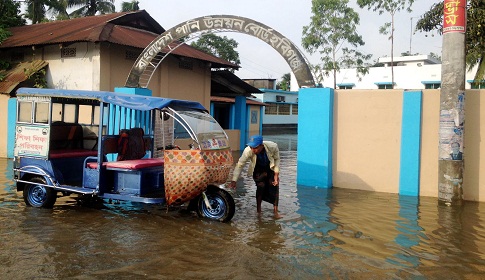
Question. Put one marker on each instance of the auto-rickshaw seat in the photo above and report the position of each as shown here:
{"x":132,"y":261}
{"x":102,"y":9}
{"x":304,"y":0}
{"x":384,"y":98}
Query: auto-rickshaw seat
{"x":131,"y":164}
{"x":131,"y":146}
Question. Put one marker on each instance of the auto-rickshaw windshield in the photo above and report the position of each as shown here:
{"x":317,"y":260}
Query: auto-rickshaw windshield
{"x":204,"y":127}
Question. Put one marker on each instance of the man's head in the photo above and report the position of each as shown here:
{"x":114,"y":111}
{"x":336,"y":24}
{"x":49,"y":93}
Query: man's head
{"x":455,"y":147}
{"x":256,"y":143}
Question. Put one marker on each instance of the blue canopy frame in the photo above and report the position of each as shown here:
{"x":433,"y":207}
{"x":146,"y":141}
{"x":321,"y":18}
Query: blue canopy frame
{"x":136,"y":102}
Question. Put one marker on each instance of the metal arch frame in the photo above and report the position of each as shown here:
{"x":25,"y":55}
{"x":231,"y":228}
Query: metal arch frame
{"x":151,"y":57}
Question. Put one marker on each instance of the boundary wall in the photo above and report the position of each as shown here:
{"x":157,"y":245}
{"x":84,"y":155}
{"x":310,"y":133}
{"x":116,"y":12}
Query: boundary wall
{"x":384,"y":141}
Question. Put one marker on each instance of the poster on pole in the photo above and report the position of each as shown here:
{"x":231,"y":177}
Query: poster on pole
{"x":454,"y":16}
{"x":451,"y":130}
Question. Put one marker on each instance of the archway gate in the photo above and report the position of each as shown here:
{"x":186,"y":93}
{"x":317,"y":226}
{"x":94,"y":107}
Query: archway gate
{"x":316,"y":99}
{"x":152,"y":56}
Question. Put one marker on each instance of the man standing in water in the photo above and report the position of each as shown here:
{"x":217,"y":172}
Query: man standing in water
{"x":264,"y":158}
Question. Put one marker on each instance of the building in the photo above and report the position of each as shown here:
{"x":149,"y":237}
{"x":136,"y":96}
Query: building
{"x":97,"y":53}
{"x":410,"y":72}
{"x":281,"y":106}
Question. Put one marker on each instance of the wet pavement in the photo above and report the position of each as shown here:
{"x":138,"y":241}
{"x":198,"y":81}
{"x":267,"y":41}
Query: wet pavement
{"x":323,"y":234}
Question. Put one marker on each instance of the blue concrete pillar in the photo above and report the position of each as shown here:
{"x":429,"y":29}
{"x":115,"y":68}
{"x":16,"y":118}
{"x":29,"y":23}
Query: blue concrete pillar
{"x":410,"y":143}
{"x":11,"y":119}
{"x":137,"y":91}
{"x":315,"y":132}
{"x":241,"y":120}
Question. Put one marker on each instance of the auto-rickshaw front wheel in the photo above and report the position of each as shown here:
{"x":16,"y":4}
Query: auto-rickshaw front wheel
{"x":222,"y":206}
{"x":38,"y":195}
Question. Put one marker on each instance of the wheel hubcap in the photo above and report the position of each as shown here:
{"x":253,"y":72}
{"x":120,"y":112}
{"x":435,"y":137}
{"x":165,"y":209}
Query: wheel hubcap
{"x":217,"y":206}
{"x":37,"y":195}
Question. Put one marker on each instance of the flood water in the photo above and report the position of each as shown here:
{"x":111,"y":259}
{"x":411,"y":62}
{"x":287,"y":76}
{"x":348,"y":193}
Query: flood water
{"x":323,"y":234}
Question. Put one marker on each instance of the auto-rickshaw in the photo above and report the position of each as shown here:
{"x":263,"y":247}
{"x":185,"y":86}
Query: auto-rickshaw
{"x":116,"y":147}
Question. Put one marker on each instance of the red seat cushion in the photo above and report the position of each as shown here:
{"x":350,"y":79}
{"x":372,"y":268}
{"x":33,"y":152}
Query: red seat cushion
{"x":131,"y":164}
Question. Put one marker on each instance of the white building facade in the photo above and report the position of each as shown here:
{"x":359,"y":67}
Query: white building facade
{"x":410,"y":72}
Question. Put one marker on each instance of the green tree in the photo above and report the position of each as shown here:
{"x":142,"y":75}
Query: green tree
{"x":91,"y":7}
{"x":391,"y":7}
{"x":58,"y":9}
{"x":130,"y":6}
{"x":333,"y":32}
{"x":284,"y":84}
{"x":432,"y":20}
{"x":10,"y":12}
{"x":35,"y":10}
{"x":222,"y":47}
{"x":38,"y":10}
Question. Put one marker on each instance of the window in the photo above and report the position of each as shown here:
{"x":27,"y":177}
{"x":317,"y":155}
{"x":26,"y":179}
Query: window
{"x":385,"y":86}
{"x":56,"y":112}
{"x":284,"y":109}
{"x":97,"y":111}
{"x":271,"y":109}
{"x":85,"y":114}
{"x":346,"y":85}
{"x":432,"y":86}
{"x":69,"y":113}
{"x":254,"y":116}
{"x":294,"y":109}
{"x":280,"y":98}
{"x":477,"y":86}
{"x":41,"y":112}
{"x":68,"y":52}
{"x":25,"y":112}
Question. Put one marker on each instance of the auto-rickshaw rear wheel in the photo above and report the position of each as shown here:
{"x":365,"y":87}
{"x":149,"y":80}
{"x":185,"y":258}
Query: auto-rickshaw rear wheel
{"x":222,"y":206}
{"x":38,"y":195}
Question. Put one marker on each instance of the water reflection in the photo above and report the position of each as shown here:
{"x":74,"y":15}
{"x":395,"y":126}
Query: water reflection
{"x":409,"y":232}
{"x":323,"y":234}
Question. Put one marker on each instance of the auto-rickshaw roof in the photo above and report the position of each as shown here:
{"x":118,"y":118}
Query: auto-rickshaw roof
{"x":131,"y":101}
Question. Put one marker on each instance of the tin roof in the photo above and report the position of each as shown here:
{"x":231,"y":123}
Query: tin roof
{"x":136,"y":29}
{"x":225,"y":84}
{"x":18,"y":74}
{"x":220,"y":99}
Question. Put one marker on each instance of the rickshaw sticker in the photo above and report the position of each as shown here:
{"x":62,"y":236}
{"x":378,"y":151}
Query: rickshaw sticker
{"x":214,"y":144}
{"x":32,"y":141}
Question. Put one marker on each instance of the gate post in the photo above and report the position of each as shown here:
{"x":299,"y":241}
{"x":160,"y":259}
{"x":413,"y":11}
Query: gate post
{"x":241,"y":121}
{"x":315,"y":135}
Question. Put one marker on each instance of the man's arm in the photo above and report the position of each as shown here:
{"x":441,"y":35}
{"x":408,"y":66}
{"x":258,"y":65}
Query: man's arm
{"x":239,"y":166}
{"x":276,"y":158}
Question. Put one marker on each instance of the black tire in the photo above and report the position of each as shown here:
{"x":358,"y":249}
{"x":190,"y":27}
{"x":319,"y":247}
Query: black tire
{"x":37,"y":195}
{"x":222,"y":204}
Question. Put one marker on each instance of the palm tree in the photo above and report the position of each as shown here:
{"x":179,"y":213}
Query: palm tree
{"x":35,"y":10}
{"x":284,"y":84}
{"x":130,"y":6}
{"x":91,"y":7}
{"x":58,"y":9}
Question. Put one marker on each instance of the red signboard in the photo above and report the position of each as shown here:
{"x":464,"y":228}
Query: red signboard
{"x":454,"y":13}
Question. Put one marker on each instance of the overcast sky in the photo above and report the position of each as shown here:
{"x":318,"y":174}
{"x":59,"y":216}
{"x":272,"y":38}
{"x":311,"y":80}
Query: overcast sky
{"x":259,"y":60}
